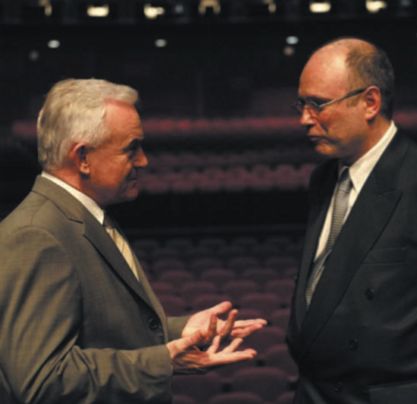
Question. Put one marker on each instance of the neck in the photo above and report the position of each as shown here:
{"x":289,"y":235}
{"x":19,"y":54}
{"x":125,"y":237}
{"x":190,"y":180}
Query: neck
{"x":374,"y":133}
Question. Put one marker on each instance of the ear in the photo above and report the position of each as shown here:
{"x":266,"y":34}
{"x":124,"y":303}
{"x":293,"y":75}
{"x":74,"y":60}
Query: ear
{"x":373,"y":102}
{"x":79,"y":156}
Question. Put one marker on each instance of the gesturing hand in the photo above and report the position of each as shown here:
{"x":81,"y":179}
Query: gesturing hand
{"x":209,"y":324}
{"x":186,"y":355}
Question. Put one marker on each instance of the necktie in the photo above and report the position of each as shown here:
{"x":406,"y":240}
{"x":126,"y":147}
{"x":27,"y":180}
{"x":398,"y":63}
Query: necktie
{"x":340,"y":207}
{"x":122,"y":245}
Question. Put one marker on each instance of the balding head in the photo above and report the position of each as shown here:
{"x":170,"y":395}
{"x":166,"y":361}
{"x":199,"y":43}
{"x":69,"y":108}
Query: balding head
{"x":367,"y":65}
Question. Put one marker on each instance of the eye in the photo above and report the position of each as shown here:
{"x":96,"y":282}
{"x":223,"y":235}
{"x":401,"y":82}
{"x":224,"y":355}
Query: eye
{"x":133,"y":148}
{"x":315,"y":102}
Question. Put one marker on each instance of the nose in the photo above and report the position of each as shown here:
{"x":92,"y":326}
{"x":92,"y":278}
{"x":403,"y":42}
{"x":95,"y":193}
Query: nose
{"x":141,"y":160}
{"x":306,"y":117}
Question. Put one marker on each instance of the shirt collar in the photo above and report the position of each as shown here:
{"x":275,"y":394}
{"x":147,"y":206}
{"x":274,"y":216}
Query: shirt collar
{"x":87,"y":202}
{"x":360,"y":170}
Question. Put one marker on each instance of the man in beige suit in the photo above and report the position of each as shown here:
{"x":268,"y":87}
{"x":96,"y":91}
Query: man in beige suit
{"x":79,"y":322}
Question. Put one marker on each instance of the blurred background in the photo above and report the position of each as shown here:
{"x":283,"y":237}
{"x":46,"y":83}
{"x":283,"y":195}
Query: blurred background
{"x":223,"y":201}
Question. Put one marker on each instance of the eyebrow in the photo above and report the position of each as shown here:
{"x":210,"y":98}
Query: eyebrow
{"x":313,"y":98}
{"x":134,"y":144}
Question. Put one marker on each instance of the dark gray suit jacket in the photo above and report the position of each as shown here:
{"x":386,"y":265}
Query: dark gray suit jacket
{"x":75,"y":324}
{"x":357,"y":342}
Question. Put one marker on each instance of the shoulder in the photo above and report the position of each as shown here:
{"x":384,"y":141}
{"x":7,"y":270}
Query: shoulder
{"x":35,"y":218}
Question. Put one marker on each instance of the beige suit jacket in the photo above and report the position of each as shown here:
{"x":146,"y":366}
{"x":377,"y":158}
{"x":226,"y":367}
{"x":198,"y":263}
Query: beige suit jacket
{"x":76,"y":326}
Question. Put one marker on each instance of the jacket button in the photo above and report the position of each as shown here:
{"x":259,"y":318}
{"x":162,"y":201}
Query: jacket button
{"x":153,"y":323}
{"x":353,"y":344}
{"x":369,"y":293}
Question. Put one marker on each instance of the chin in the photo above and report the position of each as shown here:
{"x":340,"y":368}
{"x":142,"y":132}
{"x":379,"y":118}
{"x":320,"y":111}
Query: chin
{"x":325,"y":151}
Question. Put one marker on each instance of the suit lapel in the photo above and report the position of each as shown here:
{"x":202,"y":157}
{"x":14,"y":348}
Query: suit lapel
{"x":142,"y":288}
{"x":95,"y":234}
{"x":368,"y":218}
{"x":319,"y":206}
{"x":98,"y":237}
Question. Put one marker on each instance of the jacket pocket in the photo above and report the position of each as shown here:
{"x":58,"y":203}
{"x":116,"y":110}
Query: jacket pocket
{"x":386,"y":255}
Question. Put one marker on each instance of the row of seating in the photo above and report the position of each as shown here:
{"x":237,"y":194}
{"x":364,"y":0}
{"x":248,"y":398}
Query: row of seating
{"x":245,"y":253}
{"x":262,"y":384}
{"x":239,"y":178}
{"x":200,"y":258}
{"x":239,"y":397}
{"x":218,"y":246}
{"x":170,"y":161}
{"x":244,"y":294}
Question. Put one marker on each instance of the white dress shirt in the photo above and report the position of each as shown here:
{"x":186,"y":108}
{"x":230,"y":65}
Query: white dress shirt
{"x":91,"y":205}
{"x":88,"y":203}
{"x":359,"y":172}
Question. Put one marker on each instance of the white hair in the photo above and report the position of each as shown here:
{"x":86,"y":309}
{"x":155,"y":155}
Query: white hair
{"x":74,"y":111}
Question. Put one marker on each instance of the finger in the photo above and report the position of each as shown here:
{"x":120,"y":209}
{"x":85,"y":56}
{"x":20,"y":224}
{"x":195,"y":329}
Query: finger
{"x":228,"y":325}
{"x":211,"y":329}
{"x":221,"y":308}
{"x":244,"y":323}
{"x":215,"y":344}
{"x":243,"y":328}
{"x":244,"y":332}
{"x":233,"y":345}
{"x":222,"y":358}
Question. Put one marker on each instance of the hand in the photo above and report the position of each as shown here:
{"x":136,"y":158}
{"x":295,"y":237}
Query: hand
{"x":186,"y":356}
{"x":209,"y":324}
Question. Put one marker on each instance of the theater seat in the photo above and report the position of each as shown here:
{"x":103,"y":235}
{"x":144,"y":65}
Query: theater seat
{"x":266,"y":382}
{"x":199,"y":387}
{"x":238,"y":397}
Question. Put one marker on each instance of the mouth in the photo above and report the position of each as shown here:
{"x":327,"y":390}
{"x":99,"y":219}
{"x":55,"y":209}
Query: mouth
{"x":316,"y":139}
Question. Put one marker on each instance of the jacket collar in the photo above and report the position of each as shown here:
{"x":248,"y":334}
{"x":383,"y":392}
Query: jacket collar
{"x":94,"y":232}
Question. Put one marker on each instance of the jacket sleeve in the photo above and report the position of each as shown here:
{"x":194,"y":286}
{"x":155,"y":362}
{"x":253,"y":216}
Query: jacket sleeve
{"x":40,"y":322}
{"x":175,"y":326}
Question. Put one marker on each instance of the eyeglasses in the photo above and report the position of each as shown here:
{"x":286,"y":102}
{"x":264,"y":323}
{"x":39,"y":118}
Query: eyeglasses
{"x":315,"y":106}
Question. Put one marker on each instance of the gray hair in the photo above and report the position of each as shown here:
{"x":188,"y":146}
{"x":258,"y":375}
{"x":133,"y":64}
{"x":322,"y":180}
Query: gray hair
{"x":75,"y":110}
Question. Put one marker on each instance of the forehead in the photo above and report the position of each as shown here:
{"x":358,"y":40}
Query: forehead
{"x":325,"y":74}
{"x":123,"y":118}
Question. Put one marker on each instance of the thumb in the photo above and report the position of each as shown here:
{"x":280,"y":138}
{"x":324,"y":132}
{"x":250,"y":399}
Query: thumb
{"x":221,"y":308}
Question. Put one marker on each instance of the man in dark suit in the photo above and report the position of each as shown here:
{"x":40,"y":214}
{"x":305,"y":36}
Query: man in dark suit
{"x":353,"y":327}
{"x":79,"y":321}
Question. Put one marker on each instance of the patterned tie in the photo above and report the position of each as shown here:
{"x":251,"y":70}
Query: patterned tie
{"x":122,"y":245}
{"x":340,"y":207}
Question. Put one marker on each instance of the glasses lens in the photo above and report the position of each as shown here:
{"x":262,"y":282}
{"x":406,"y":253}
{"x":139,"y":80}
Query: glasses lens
{"x":312,"y":107}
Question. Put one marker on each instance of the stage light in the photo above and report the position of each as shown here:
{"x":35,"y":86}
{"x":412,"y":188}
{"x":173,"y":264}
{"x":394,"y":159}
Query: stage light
{"x":206,"y":6}
{"x":288,"y":51}
{"x":152,"y":12}
{"x":407,"y":8}
{"x":271,"y":5}
{"x":98,"y":11}
{"x":47,"y":7}
{"x":37,"y":10}
{"x":54,"y":44}
{"x":292,"y":40}
{"x":375,"y":6}
{"x":34,"y":55}
{"x":259,"y":8}
{"x":161,"y":43}
{"x":320,"y":6}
